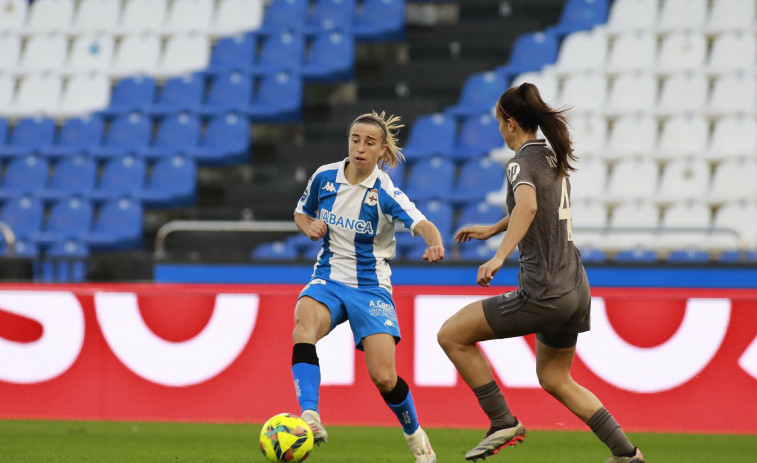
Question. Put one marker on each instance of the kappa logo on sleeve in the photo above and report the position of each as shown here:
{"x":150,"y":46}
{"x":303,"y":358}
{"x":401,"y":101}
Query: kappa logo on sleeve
{"x":329,"y":187}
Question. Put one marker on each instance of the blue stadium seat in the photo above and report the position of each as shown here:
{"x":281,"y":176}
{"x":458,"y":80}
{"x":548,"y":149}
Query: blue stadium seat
{"x":479,"y":94}
{"x":236,"y":53}
{"x":68,"y":219}
{"x":118,"y":225}
{"x":29,"y":136}
{"x":3,"y":131}
{"x":176,"y":134}
{"x":331,"y":58}
{"x":380,"y":21}
{"x":178,"y":94}
{"x":171,"y":183}
{"x":477,"y":178}
{"x":593,"y":255}
{"x":226,"y":141}
{"x":281,"y":51}
{"x":23,"y":248}
{"x":580,"y":15}
{"x":478,"y":135}
{"x":76,"y":137}
{"x":438,"y":212}
{"x":127,"y":134}
{"x":688,"y":256}
{"x":531,"y":52}
{"x":131,"y":94}
{"x":276,"y":250}
{"x":476,"y":251}
{"x":397,"y":174}
{"x":284,"y":14}
{"x":23,"y":215}
{"x":306,"y":248}
{"x":24,"y":176}
{"x":278,"y":98}
{"x":229,"y":92}
{"x":71,"y":176}
{"x":479,"y":214}
{"x":331,"y":15}
{"x":430,"y":179}
{"x":636,"y":255}
{"x":737,"y":256}
{"x":120,"y":177}
{"x":65,"y":261}
{"x":430,"y":135}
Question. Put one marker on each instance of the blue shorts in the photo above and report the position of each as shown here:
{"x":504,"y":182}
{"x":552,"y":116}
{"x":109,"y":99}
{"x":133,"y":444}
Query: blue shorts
{"x":369,"y":310}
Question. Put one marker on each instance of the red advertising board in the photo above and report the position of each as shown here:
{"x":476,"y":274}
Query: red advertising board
{"x":659,"y":359}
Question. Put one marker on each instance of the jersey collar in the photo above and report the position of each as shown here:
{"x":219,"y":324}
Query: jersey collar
{"x":368,"y":182}
{"x":537,"y":142}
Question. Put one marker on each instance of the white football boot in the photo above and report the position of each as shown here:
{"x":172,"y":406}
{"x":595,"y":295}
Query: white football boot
{"x":313,"y":419}
{"x":420,"y":446}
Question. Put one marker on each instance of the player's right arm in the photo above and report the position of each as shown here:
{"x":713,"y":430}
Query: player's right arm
{"x":482,"y":232}
{"x":314,"y":229}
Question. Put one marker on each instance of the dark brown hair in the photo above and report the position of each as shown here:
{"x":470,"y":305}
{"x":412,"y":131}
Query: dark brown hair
{"x":524,"y":104}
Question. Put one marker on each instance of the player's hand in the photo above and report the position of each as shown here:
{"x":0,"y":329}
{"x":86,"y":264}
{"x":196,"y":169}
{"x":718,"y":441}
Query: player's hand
{"x":317,"y":229}
{"x":479,"y":232}
{"x":487,"y":271}
{"x":433,"y":253}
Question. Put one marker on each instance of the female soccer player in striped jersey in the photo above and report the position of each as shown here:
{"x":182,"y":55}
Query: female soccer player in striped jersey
{"x":353,"y":206}
{"x":553,"y":297}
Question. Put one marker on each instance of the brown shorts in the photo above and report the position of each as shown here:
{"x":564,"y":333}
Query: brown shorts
{"x":556,"y":321}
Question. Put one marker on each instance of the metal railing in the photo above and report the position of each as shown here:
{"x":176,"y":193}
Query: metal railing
{"x":10,"y":239}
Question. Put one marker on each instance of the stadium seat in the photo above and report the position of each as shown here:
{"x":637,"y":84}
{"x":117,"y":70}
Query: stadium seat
{"x":681,"y":51}
{"x":171,"y":183}
{"x":632,"y":15}
{"x":37,"y":94}
{"x":184,"y":53}
{"x":68,"y":219}
{"x":64,"y":262}
{"x":476,"y":179}
{"x":43,"y":53}
{"x":730,"y":15}
{"x":593,"y":255}
{"x":732,"y":136}
{"x":331,"y":58}
{"x":189,"y":16}
{"x":479,"y":214}
{"x":683,"y":92}
{"x":283,"y":15}
{"x":120,"y":177}
{"x":589,"y":181}
{"x":632,"y":178}
{"x":23,"y":176}
{"x":546,"y":81}
{"x":688,"y":256}
{"x":281,"y":51}
{"x":13,"y":15}
{"x":3,"y":131}
{"x":430,"y":135}
{"x":478,"y":135}
{"x":478,"y":95}
{"x":175,"y":135}
{"x":90,"y":52}
{"x":530,"y":52}
{"x":589,"y":218}
{"x":632,"y":224}
{"x":276,"y":250}
{"x":631,"y":93}
{"x":732,"y":51}
{"x":583,"y":92}
{"x":684,"y":179}
{"x":84,"y":94}
{"x":737,"y":256}
{"x":475,"y":251}
{"x":677,"y":15}
{"x":49,"y":16}
{"x":126,"y":134}
{"x":74,"y":176}
{"x":329,"y":15}
{"x":579,"y":15}
{"x":226,"y":141}
{"x":236,"y":17}
{"x":438,"y":212}
{"x":140,"y":16}
{"x":28,"y":136}
{"x":589,"y":134}
{"x":582,"y":51}
{"x":632,"y":135}
{"x":136,"y":54}
{"x":95,"y":16}
{"x":638,"y":255}
{"x":23,"y":215}
{"x":229,"y":92}
{"x":179,"y":94}
{"x":7,"y":90}
{"x":430,"y":179}
{"x":632,"y":51}
{"x":733,"y":180}
{"x":733,"y":93}
{"x":380,"y":21}
{"x":278,"y":98}
{"x":397,"y":174}
{"x":692,"y":216}
{"x":76,"y":136}
{"x":23,"y":248}
{"x":118,"y":225}
{"x":682,"y":136}
{"x":131,"y":94}
{"x":235,"y":53}
{"x":306,"y":248}
{"x":10,"y":50}
{"x":736,"y":216}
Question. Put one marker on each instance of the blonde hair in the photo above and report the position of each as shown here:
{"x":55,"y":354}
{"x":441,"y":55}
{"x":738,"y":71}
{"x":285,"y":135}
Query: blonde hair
{"x":389,"y":126}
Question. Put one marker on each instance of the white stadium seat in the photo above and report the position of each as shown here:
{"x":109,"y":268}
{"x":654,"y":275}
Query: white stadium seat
{"x":136,"y":54}
{"x":733,"y":180}
{"x":732,"y":136}
{"x":695,"y":216}
{"x":733,"y":93}
{"x":237,"y":16}
{"x":590,"y":180}
{"x":632,"y":135}
{"x":90,"y":52}
{"x":632,"y":92}
{"x":96,"y":16}
{"x":189,"y":16}
{"x":632,"y":51}
{"x":545,"y":80}
{"x":682,"y":136}
{"x":681,"y":51}
{"x":10,"y":52}
{"x":83,"y":94}
{"x":583,"y":92}
{"x":632,"y":179}
{"x":184,"y":53}
{"x":43,"y":53}
{"x":38,"y":94}
{"x":7,"y":90}
{"x":731,"y":15}
{"x":582,"y":51}
{"x":683,"y":179}
{"x":676,"y":15}
{"x":683,"y":92}
{"x":739,"y":216}
{"x":589,"y":218}
{"x":589,"y":134}
{"x":641,"y":216}
{"x":733,"y":51}
{"x":49,"y":16}
{"x":142,"y":16}
{"x":632,"y":15}
{"x":13,"y":15}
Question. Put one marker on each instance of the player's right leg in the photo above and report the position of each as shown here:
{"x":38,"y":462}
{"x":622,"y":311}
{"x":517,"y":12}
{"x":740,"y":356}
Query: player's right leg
{"x":312,"y":321}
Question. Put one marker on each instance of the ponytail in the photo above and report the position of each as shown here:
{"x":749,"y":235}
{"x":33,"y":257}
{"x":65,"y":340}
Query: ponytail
{"x":524,"y":104}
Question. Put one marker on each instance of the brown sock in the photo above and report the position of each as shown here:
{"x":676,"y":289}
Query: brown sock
{"x":493,"y":403}
{"x":608,"y":431}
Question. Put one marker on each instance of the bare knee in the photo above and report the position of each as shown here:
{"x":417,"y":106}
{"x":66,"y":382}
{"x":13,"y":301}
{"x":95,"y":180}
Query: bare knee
{"x":384,"y":381}
{"x":553,"y":383}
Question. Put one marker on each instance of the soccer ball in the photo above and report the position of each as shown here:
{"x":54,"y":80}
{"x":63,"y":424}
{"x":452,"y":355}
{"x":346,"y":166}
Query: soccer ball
{"x":286,"y":437}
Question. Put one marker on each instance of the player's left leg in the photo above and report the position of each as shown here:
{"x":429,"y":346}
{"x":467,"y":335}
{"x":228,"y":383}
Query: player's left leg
{"x":379,"y":358}
{"x":553,"y":370}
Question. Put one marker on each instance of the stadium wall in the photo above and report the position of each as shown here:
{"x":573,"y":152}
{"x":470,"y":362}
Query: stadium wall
{"x":662,"y":359}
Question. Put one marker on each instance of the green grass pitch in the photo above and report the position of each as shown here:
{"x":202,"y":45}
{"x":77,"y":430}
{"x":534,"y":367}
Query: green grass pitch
{"x":118,"y":442}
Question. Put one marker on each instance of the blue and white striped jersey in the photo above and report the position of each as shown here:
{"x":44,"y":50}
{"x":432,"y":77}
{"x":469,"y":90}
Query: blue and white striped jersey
{"x":361,"y":220}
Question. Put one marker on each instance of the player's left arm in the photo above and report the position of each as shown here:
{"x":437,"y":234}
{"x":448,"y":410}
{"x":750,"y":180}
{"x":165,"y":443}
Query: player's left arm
{"x":433,"y":239}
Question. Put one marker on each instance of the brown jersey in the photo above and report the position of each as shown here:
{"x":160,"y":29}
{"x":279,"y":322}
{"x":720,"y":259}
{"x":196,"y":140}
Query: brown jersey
{"x":550,"y":265}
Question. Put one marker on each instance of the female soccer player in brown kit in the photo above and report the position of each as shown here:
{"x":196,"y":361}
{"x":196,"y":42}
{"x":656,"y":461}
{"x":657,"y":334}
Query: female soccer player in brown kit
{"x":553,"y":296}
